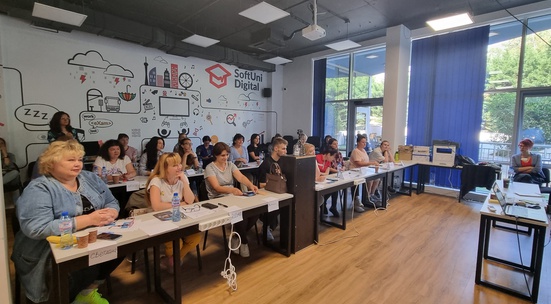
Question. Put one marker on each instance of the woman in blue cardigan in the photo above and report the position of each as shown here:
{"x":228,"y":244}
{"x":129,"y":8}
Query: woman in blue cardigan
{"x":527,"y":165}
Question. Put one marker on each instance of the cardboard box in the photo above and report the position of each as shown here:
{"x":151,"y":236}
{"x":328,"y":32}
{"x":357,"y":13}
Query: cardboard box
{"x":421,"y":150}
{"x":405,"y":152}
{"x":421,"y":158}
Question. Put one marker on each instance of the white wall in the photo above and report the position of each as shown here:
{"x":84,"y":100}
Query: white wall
{"x":87,"y":76}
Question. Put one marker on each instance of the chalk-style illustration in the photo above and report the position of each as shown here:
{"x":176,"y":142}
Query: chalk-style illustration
{"x":195,"y":132}
{"x":164,"y":133}
{"x":184,"y":131}
{"x":209,"y":118}
{"x":93,"y":96}
{"x":183,"y":124}
{"x":145,"y":65}
{"x":112,"y":104}
{"x":160,"y":59}
{"x":35,"y":114}
{"x":247,"y":97}
{"x":148,"y":106}
{"x":93,"y":59}
{"x":117,"y":70}
{"x":186,"y":81}
{"x":165,"y":123}
{"x":196,"y":111}
{"x":230,"y":119}
{"x":143,"y":119}
{"x":247,"y":122}
{"x":127,"y":96}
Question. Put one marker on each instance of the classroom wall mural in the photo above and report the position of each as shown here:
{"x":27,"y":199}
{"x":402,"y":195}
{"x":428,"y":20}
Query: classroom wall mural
{"x":109,"y":87}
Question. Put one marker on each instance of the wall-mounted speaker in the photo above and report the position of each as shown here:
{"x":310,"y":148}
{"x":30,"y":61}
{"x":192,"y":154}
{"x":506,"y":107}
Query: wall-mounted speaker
{"x":267,"y":92}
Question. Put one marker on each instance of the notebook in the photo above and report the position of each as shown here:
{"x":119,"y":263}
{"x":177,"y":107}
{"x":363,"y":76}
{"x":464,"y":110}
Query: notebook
{"x":512,"y":209}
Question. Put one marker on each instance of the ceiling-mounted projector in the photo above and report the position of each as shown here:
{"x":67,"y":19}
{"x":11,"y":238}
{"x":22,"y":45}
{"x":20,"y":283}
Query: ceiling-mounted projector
{"x":313,"y":32}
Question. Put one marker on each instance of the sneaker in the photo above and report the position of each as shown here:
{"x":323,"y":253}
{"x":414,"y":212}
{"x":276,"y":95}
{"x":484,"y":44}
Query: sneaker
{"x":391,"y":190}
{"x":244,"y":250}
{"x":358,"y":207}
{"x":375,"y":199}
{"x":92,"y":298}
{"x":167,"y":263}
{"x":269,"y":235}
{"x":234,"y":245}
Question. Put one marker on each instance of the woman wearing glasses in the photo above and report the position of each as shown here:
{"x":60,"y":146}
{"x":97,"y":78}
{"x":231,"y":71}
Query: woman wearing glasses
{"x":219,"y":177}
{"x":166,"y":179}
{"x":527,"y":165}
{"x":189,"y":158}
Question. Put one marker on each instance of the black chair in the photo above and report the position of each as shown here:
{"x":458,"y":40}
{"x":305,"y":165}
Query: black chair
{"x":289,"y":140}
{"x":546,"y":188}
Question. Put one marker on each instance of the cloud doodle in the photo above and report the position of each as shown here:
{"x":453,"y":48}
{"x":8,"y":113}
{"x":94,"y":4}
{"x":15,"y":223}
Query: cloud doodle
{"x":117,"y":70}
{"x":91,"y":59}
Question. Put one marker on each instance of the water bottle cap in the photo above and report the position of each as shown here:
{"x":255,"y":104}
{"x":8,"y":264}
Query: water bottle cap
{"x":65,"y":213}
{"x":175,"y":193}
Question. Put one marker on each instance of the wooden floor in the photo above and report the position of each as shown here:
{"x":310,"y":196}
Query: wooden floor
{"x":422,"y":249}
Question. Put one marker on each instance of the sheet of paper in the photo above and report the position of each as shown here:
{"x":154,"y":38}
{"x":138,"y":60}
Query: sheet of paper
{"x":132,"y":186}
{"x":273,"y":203}
{"x":236,"y":214}
{"x":101,"y":251}
{"x":199,"y":214}
{"x":155,"y":227}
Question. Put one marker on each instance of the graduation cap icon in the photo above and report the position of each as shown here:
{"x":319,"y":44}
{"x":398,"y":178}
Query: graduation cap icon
{"x":218,"y":75}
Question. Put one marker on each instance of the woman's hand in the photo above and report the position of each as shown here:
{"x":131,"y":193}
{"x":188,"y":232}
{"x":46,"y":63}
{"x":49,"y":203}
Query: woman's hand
{"x":254,"y":189}
{"x":102,"y":217}
{"x":236,"y":191}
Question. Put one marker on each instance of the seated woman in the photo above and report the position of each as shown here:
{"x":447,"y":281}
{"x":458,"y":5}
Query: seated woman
{"x":189,"y":158}
{"x":10,"y":171}
{"x":181,"y":136}
{"x":148,"y":160}
{"x":311,"y":150}
{"x":60,"y":124}
{"x":129,"y":151}
{"x":254,"y":149}
{"x":220,"y":176}
{"x":111,"y":156}
{"x":237,"y":151}
{"x":63,"y":187}
{"x":382,"y":154}
{"x":527,"y":165}
{"x":204,"y":151}
{"x":325,"y":160}
{"x":166,"y":179}
{"x":359,"y":158}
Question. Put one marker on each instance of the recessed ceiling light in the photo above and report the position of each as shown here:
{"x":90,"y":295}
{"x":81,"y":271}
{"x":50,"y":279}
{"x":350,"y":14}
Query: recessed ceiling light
{"x":57,"y":14}
{"x":371,"y":56}
{"x":200,"y":40}
{"x":278,"y":60}
{"x":264,"y":13}
{"x":342,"y":45}
{"x":450,"y":22}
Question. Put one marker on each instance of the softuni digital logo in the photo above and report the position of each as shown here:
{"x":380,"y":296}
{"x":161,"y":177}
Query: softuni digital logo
{"x":218,"y":75}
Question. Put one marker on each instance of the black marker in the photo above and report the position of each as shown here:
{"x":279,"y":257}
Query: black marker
{"x":220,"y":204}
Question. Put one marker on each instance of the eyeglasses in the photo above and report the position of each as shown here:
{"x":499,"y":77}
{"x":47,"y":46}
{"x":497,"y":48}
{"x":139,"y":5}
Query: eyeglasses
{"x":193,"y":208}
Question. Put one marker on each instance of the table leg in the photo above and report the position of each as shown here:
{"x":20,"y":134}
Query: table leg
{"x":481,"y":248}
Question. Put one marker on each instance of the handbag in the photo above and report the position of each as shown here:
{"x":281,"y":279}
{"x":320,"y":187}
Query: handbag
{"x":275,"y":180}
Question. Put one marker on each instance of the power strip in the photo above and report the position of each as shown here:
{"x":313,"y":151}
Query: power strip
{"x":214,"y":223}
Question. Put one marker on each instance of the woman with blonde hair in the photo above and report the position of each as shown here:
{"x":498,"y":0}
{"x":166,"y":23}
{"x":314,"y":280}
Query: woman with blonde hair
{"x":166,"y":179}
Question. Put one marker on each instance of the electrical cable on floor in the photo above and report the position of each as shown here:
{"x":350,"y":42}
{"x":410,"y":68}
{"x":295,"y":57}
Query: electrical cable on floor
{"x":229,"y":270}
{"x":520,"y":255}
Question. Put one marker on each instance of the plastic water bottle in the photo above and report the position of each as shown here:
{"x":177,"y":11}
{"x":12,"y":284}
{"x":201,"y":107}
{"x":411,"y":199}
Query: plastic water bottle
{"x":200,"y":163}
{"x":104,"y":174}
{"x":175,"y":208}
{"x":96,"y":171}
{"x":296,"y":149}
{"x":261,"y":156}
{"x":339,"y":170}
{"x":66,"y":231}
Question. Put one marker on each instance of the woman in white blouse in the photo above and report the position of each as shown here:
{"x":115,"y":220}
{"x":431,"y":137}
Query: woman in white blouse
{"x":111,"y":156}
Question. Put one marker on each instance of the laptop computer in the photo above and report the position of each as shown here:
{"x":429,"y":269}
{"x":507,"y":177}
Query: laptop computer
{"x":513,"y":209}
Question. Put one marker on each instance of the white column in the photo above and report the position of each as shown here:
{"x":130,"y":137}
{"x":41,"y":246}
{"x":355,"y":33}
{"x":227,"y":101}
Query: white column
{"x":398,"y":50}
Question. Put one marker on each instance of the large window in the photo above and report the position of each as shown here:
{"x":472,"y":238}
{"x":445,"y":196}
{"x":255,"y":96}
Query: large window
{"x":353,"y":96}
{"x":517,"y":107}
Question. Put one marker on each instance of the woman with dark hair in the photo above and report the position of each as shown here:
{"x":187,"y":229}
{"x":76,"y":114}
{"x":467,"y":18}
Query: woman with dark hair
{"x":325,"y":142}
{"x":204,"y":151}
{"x":60,"y":124}
{"x":150,"y":156}
{"x":527,"y":165}
{"x":358,"y":159}
{"x":185,"y":150}
{"x":254,"y":148}
{"x":10,"y":171}
{"x":129,"y":151}
{"x":327,"y":161}
{"x":111,"y":156}
{"x":220,"y":176}
{"x":237,"y":152}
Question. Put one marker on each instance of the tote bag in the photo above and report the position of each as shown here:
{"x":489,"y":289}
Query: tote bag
{"x":275,"y":180}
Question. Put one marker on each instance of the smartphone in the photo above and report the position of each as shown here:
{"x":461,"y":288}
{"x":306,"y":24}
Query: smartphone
{"x":209,"y":206}
{"x":108,"y":236}
{"x":248,"y":193}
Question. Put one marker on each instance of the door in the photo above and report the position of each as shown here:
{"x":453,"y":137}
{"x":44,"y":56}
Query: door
{"x":366,"y":116}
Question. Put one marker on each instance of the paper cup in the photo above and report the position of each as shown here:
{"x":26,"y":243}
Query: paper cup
{"x":116,"y":178}
{"x":82,"y":239}
{"x":506,"y":183}
{"x":92,"y":235}
{"x":377,"y":169}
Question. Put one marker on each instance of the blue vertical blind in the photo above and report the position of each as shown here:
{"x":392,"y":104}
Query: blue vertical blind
{"x":446,"y":93}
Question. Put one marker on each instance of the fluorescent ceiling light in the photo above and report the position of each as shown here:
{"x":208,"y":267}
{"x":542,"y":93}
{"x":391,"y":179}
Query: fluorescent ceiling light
{"x":200,"y":40}
{"x":264,"y":13}
{"x":450,"y":22}
{"x":278,"y":60}
{"x":342,"y":45}
{"x":57,"y":14}
{"x":371,"y":56}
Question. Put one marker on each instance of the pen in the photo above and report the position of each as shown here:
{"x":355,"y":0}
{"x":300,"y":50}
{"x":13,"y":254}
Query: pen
{"x":220,"y":204}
